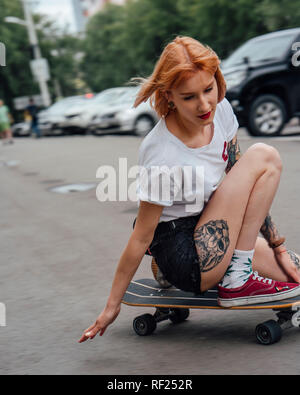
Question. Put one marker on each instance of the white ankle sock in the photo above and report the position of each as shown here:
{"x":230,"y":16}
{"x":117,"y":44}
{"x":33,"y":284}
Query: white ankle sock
{"x":239,"y":270}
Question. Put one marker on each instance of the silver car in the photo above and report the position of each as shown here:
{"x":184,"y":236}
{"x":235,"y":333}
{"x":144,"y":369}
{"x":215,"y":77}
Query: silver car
{"x":21,"y":129}
{"x":80,"y":116}
{"x":121,"y":116}
{"x":52,"y":121}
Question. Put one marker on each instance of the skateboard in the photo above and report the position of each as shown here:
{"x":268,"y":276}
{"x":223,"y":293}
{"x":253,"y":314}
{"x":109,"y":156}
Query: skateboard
{"x":174,"y":304}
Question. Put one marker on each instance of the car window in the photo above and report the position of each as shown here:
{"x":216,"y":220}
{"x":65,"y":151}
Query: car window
{"x":128,"y":97}
{"x":261,"y":50}
{"x":64,"y":103}
{"x":108,"y":96}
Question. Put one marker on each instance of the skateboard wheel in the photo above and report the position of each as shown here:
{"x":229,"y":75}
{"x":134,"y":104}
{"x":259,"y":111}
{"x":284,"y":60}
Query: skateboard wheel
{"x":179,"y":315}
{"x":144,"y":325}
{"x":269,"y":332}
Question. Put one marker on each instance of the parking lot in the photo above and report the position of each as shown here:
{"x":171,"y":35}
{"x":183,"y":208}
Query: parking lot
{"x":59,"y":253}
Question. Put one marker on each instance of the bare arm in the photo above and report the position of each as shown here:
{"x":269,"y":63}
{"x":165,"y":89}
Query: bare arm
{"x":140,"y":239}
{"x":268,"y":229}
{"x":234,"y":153}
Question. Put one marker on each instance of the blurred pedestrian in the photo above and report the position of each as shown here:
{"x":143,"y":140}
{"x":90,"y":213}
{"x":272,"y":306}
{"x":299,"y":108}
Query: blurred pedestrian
{"x":33,"y":111}
{"x":5,"y":129}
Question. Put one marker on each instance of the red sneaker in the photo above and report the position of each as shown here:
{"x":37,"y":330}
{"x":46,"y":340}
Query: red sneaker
{"x":257,"y":290}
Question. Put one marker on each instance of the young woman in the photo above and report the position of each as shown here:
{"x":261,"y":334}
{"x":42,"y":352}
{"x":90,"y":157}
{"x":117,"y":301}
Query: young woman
{"x":216,"y":243}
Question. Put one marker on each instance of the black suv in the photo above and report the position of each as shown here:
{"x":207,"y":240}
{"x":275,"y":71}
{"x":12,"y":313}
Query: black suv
{"x":263,"y":81}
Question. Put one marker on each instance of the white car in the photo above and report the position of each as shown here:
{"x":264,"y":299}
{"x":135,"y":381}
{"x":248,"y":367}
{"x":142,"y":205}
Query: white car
{"x":21,"y":129}
{"x":52,"y":121}
{"x":121,"y":116}
{"x":81,"y":115}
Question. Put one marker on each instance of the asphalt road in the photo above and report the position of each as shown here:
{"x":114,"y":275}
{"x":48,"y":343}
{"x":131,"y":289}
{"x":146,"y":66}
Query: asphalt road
{"x":58,"y":256}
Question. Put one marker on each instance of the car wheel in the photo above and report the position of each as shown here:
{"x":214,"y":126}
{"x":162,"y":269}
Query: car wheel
{"x":267,"y":116}
{"x":143,"y":125}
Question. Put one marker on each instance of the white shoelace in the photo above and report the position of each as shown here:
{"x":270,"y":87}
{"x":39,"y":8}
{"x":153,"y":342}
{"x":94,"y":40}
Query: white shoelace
{"x":257,"y":277}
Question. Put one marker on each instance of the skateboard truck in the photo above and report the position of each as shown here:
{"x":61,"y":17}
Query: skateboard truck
{"x":145,"y":324}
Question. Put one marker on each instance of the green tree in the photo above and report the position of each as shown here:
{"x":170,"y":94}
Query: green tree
{"x":149,"y":26}
{"x":15,"y":78}
{"x":224,"y":25}
{"x":63,"y":52}
{"x":221,"y":24}
{"x":105,"y":62}
{"x":280,"y":14}
{"x":58,"y":47}
{"x":123,"y":42}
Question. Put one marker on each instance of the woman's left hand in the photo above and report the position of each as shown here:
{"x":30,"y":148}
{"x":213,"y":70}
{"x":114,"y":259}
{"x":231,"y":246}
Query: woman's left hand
{"x":289,"y":262}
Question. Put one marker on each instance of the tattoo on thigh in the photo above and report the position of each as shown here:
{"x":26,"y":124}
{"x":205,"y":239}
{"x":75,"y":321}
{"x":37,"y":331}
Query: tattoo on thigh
{"x":212,"y":242}
{"x":294,"y":258}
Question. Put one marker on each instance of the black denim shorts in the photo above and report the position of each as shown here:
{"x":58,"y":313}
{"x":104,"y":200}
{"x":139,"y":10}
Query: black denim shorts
{"x":174,"y":250}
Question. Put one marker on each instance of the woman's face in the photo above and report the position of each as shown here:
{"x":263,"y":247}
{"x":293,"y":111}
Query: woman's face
{"x":195,"y":98}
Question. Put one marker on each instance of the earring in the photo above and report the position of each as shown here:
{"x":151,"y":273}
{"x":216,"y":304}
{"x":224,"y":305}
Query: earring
{"x":171,"y":105}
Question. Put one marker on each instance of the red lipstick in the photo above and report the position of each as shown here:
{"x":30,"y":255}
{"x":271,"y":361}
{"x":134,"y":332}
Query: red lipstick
{"x":206,"y":116}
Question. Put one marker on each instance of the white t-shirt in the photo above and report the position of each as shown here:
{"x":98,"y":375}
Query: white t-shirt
{"x":180,"y":178}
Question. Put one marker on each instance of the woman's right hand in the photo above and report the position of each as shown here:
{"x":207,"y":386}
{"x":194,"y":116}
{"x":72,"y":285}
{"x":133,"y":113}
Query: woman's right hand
{"x":106,"y":318}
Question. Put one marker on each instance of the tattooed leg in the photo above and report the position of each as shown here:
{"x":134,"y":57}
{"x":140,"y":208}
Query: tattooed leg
{"x":240,"y":205}
{"x":269,"y":230}
{"x":212,"y":242}
{"x":271,"y":234}
{"x":294,"y":258}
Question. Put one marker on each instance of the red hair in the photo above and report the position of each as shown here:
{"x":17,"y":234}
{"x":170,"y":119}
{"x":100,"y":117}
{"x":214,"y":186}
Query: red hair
{"x":181,"y":58}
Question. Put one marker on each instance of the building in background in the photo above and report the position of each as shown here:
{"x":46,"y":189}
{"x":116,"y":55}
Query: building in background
{"x":84,"y":9}
{"x":80,"y":19}
{"x":92,"y":6}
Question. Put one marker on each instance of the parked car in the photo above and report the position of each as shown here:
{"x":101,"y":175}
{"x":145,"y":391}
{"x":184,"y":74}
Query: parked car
{"x":263,"y":83}
{"x":122,"y":117}
{"x":52,"y":121}
{"x":21,"y":129}
{"x":79,"y":117}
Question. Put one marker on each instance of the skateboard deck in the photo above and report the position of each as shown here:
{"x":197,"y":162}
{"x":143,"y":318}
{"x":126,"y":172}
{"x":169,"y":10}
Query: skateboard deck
{"x":174,"y":304}
{"x":147,"y":292}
